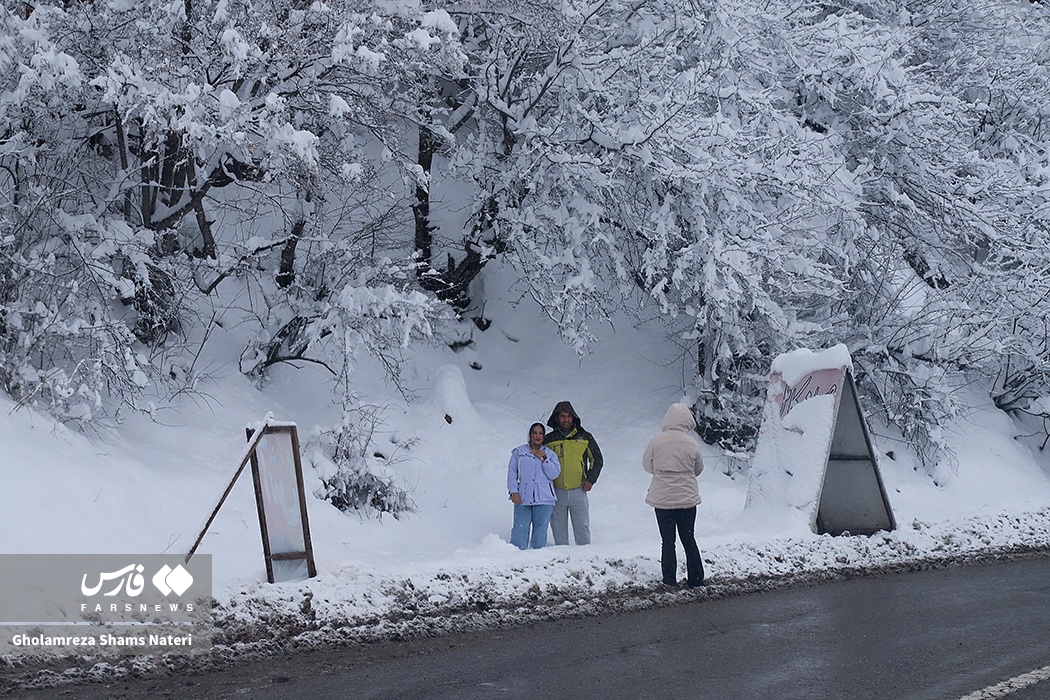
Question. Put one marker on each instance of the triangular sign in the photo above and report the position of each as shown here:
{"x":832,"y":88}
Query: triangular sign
{"x":814,"y":450}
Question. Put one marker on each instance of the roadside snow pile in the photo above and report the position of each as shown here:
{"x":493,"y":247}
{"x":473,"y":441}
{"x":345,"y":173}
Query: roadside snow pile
{"x":557,"y":584}
{"x":354,"y":604}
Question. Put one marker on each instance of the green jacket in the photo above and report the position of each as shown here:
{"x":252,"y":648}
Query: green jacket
{"x":577,"y":450}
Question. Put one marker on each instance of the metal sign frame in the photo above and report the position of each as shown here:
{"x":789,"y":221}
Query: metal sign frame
{"x":852,"y":495}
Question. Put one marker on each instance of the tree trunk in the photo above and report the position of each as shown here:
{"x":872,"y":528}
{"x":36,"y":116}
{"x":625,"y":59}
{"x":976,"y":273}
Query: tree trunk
{"x":286,"y":274}
{"x":421,"y":209}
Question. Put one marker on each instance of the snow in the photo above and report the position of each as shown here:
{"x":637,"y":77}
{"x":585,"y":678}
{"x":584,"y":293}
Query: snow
{"x":798,"y":421}
{"x":440,"y":21}
{"x":228,"y":104}
{"x":788,"y":468}
{"x":797,"y":364}
{"x":422,"y":40}
{"x":148,"y":486}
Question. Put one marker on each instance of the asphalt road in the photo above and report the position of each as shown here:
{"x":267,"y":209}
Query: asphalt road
{"x":934,"y":635}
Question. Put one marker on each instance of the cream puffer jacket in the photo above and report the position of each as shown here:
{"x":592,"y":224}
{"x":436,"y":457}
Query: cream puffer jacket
{"x":673,"y":458}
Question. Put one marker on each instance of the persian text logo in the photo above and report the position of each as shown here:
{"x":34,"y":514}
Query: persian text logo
{"x":130,"y":578}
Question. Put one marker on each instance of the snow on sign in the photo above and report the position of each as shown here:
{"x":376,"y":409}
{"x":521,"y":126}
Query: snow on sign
{"x":814,"y":452}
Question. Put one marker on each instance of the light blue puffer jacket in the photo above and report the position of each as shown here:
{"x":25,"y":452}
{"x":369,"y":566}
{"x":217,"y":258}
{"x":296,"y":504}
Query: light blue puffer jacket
{"x":532,"y":478}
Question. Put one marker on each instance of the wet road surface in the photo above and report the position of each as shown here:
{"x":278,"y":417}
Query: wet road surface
{"x":932,"y":635}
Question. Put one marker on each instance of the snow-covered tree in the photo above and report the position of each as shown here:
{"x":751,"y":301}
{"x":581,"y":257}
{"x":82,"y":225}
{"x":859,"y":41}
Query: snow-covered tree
{"x":773,"y":175}
{"x":152,"y":148}
{"x":942,"y":116}
{"x":177,"y":170}
{"x":646,"y":153}
{"x":762,"y":176}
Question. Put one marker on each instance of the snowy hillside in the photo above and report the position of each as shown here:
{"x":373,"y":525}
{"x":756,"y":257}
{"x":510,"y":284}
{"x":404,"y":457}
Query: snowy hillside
{"x":147,"y":487}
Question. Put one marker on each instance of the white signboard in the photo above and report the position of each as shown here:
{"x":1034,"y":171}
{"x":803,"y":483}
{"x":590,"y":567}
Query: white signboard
{"x":814,"y":454}
{"x":278,"y":476}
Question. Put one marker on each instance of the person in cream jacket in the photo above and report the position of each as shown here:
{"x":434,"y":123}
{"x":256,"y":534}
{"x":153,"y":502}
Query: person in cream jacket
{"x":673,"y":458}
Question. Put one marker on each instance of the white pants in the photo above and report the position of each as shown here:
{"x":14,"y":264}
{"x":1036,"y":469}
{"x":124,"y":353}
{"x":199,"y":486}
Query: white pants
{"x":571,"y":502}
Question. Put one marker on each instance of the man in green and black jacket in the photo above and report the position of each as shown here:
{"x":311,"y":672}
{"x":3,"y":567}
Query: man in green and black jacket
{"x":581,"y":462}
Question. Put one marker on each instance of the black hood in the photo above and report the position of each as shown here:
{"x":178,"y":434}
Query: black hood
{"x":552,"y":422}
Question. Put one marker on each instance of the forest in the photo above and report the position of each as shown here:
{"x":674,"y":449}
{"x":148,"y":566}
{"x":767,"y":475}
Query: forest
{"x":332,"y":177}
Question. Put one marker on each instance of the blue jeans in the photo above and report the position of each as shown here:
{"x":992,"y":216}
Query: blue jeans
{"x":538,"y":517}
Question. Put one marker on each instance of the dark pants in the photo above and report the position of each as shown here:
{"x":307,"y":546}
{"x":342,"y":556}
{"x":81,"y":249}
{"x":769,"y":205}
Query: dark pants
{"x":683,"y":519}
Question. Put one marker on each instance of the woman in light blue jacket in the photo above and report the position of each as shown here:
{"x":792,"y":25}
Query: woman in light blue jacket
{"x":530,"y":482}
